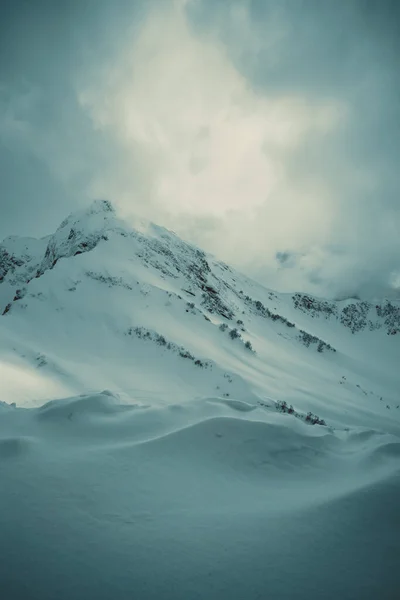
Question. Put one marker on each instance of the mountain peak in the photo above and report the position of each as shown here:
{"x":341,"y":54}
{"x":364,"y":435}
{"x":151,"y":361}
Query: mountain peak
{"x":97,"y":208}
{"x":101,"y":206}
{"x":80,"y":232}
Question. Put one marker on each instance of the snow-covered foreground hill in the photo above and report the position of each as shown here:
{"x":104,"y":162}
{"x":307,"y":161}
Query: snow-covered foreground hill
{"x":246,"y":443}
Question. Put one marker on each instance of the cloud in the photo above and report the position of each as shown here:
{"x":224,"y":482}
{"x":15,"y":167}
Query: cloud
{"x":209,"y":144}
{"x":257,"y":129}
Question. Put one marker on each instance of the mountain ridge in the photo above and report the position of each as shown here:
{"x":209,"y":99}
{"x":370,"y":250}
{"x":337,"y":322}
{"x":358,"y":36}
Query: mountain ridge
{"x":145,"y":284}
{"x":71,"y":240}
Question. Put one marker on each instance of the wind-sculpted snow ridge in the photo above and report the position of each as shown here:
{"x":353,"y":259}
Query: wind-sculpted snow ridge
{"x":199,"y":500}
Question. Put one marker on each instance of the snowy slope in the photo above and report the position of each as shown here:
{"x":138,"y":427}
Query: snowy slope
{"x":194,"y":458}
{"x":94,"y":309}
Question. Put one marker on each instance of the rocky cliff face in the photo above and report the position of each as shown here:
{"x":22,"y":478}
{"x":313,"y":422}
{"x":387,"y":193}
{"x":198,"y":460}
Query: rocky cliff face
{"x":19,"y":258}
{"x":79,"y":233}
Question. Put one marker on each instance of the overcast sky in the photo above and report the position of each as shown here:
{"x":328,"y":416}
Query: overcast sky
{"x":266,"y":131}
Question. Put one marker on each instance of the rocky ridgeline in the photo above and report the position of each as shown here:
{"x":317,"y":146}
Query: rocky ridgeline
{"x":77,"y":243}
{"x":212,"y":301}
{"x":314,"y":307}
{"x":183,"y":260}
{"x":235,"y":334}
{"x":356,"y":316}
{"x":213,"y":285}
{"x":31,"y":258}
{"x":152,"y":336}
{"x":309,"y":418}
{"x":390,"y":314}
{"x":18,"y":266}
{"x":81,"y":232}
{"x":308,"y":340}
{"x":73,"y":237}
{"x":305,"y":338}
{"x":175,"y":258}
{"x":8,"y":262}
{"x":109,"y":280}
{"x":258,"y":307}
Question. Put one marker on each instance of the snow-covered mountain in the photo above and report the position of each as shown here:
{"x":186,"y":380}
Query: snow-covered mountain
{"x":100,"y":304}
{"x":222,"y":399}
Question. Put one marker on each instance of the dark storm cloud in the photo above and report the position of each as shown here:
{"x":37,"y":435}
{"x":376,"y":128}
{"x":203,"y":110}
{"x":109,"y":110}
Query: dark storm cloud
{"x":48,"y":148}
